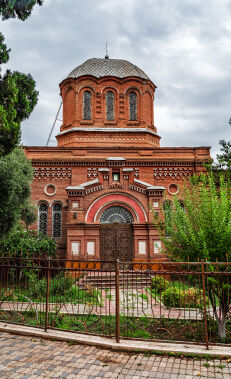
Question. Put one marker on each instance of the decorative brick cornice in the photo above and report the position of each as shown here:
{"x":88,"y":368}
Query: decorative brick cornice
{"x":104,"y":163}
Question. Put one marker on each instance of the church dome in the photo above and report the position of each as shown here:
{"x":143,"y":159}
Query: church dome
{"x":99,"y":68}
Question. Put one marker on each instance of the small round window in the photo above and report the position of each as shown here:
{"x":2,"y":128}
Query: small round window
{"x":50,"y":189}
{"x":173,"y":189}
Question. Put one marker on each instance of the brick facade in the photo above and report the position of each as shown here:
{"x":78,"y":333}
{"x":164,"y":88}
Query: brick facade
{"x":79,"y":172}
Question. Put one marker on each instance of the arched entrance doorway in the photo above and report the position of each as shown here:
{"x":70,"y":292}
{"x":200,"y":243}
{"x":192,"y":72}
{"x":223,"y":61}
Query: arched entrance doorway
{"x":116,"y":234}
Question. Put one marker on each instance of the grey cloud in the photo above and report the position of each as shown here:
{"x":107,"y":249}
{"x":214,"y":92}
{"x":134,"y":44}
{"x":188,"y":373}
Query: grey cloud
{"x":183,"y":46}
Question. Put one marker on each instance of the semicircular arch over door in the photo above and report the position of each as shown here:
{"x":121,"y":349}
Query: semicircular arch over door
{"x":117,"y":214}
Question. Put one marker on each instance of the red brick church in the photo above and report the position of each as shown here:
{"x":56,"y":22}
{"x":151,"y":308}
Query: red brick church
{"x":95,"y":190}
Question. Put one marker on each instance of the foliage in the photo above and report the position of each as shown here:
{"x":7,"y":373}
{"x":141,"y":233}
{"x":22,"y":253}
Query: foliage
{"x":188,"y":298}
{"x":4,"y":52}
{"x":63,"y":289}
{"x":59,"y":286}
{"x":20,"y":9}
{"x":202,"y":228}
{"x":18,"y":95}
{"x":16,"y":174}
{"x":224,"y":159}
{"x":27,"y":243}
{"x":136,"y":327}
{"x":159,"y":284}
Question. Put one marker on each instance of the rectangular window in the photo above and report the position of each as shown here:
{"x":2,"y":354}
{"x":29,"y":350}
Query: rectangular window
{"x":91,"y":247}
{"x":116,"y":176}
{"x":155,"y":204}
{"x":75,"y":248}
{"x":75,"y":205}
{"x":142,"y":247}
{"x":157,"y":247}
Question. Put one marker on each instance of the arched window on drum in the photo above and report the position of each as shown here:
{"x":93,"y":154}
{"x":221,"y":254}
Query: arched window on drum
{"x":42,"y":218}
{"x":87,"y":105}
{"x":57,"y":220}
{"x":110,"y":106}
{"x":132,"y":106}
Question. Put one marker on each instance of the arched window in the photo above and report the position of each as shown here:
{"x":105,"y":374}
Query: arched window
{"x":110,"y":105}
{"x":57,"y":220}
{"x":132,"y":106}
{"x":116,"y":214}
{"x":87,"y":105}
{"x":42,"y":218}
{"x":69,"y":107}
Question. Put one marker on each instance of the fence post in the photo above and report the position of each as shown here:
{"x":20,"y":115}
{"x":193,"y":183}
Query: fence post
{"x":117,"y":283}
{"x":204,"y":301}
{"x":47,"y":294}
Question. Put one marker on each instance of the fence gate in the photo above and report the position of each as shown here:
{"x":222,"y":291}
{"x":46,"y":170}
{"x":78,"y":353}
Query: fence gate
{"x":116,"y":242}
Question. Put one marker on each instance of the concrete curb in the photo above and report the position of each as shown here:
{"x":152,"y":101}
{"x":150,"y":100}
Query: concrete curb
{"x":109,"y":343}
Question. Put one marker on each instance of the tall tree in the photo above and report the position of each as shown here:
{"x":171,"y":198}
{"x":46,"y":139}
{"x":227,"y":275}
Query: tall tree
{"x":201,"y":229}
{"x":224,"y":159}
{"x":16,"y":175}
{"x":18,"y":95}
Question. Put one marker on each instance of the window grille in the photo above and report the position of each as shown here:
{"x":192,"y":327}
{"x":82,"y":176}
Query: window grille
{"x":87,"y":105}
{"x":116,"y":214}
{"x":132,"y":106}
{"x":42,"y":219}
{"x":57,"y":221}
{"x":110,"y":105}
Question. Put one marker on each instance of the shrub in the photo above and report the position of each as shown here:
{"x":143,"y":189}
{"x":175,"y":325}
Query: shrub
{"x":60,"y":285}
{"x":27,"y":243}
{"x":176,"y":297}
{"x":159,"y":284}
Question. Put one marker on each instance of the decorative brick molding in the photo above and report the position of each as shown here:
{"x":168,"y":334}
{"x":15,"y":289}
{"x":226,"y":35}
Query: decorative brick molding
{"x":50,"y":173}
{"x":115,"y":198}
{"x":94,"y":189}
{"x":173,"y":172}
{"x":92,"y":172}
{"x":137,"y":189}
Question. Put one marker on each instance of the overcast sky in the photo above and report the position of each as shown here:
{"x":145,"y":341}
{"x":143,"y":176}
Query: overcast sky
{"x":184,"y":46}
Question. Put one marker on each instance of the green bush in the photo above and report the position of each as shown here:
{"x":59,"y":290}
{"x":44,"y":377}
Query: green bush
{"x":188,"y":298}
{"x":60,"y":285}
{"x":159,"y":284}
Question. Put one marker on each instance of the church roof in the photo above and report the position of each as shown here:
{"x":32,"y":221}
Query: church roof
{"x":99,"y":67}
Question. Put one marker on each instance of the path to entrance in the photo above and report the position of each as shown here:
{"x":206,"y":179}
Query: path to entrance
{"x":27,"y":357}
{"x":134,"y":303}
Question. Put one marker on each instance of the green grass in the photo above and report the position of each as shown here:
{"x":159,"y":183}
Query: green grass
{"x":131,"y":327}
{"x":71,"y":294}
{"x":221,"y":366}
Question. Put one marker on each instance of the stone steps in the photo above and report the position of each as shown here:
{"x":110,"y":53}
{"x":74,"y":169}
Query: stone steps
{"x":107,"y":280}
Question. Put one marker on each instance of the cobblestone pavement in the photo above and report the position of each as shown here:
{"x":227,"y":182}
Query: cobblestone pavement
{"x":27,"y":357}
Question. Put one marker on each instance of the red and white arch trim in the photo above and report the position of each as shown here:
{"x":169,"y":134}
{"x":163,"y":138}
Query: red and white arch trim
{"x":115,"y":198}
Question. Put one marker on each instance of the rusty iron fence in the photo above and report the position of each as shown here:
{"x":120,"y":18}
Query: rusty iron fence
{"x":165,"y":301}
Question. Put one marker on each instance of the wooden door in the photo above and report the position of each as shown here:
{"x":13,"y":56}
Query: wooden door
{"x":116,"y":242}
